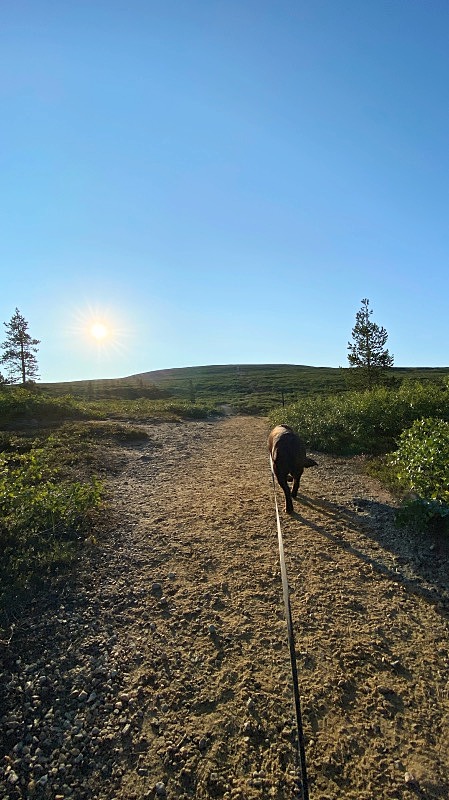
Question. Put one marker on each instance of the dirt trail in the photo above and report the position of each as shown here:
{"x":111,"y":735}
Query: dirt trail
{"x":165,"y":671}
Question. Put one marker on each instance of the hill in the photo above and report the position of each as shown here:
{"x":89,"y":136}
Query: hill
{"x":249,"y":387}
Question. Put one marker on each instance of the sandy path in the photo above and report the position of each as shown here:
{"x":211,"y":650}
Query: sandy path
{"x":179,"y":637}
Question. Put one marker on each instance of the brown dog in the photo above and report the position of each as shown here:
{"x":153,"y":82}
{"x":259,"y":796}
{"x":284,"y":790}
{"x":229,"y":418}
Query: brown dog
{"x":288,"y":454}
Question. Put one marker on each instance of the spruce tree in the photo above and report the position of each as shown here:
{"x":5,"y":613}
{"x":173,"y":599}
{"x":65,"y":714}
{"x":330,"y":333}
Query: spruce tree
{"x":368,"y":358}
{"x":19,"y":350}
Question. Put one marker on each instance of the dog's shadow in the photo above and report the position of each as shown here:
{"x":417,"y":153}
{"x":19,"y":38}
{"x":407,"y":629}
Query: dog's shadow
{"x":419,"y":561}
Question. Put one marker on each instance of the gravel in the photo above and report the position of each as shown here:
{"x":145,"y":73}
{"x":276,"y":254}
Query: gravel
{"x":160,"y":668}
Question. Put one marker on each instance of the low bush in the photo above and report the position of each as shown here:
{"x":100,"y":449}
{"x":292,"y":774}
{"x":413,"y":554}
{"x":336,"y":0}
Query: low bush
{"x":143,"y":409}
{"x":421,"y":462}
{"x":18,"y":404}
{"x":424,"y":515}
{"x":363,"y":422}
{"x":420,"y":465}
{"x":93,"y":430}
{"x":41,"y":516}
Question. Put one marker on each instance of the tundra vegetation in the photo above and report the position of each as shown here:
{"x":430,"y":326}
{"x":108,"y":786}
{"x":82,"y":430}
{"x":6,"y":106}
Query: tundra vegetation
{"x":421,"y":466}
{"x":53,"y":450}
{"x":405,"y":428}
{"x":53,"y":444}
{"x":249,"y":389}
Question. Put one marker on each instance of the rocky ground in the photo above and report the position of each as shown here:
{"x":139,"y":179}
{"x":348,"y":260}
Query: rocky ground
{"x":162,"y":669}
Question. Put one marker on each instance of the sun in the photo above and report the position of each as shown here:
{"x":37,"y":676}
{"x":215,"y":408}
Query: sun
{"x":99,"y":331}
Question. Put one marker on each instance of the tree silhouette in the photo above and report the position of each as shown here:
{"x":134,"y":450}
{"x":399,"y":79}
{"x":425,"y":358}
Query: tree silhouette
{"x":19,"y":350}
{"x":368,"y":358}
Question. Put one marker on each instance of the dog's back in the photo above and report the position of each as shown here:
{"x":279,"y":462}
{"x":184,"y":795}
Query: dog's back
{"x":285,"y":446}
{"x":288,"y":454}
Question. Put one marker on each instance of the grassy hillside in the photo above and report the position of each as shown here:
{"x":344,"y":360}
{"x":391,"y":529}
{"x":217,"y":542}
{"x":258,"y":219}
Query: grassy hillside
{"x":245,"y":384}
{"x":247,"y":387}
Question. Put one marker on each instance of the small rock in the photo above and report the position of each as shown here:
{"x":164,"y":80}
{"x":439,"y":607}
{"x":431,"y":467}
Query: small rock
{"x":160,"y":789}
{"x":409,"y":778}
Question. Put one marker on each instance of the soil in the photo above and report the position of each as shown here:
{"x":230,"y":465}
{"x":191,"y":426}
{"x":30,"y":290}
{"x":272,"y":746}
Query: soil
{"x":162,"y":669}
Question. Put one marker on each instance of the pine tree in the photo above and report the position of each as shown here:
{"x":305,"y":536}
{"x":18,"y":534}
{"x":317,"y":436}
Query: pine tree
{"x":368,"y":358}
{"x":19,"y":350}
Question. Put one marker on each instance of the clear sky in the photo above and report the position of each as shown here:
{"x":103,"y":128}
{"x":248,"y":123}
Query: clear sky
{"x":223,"y":181}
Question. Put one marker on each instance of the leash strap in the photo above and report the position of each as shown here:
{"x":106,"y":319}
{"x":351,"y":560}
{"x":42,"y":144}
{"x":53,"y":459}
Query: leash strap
{"x":304,"y":788}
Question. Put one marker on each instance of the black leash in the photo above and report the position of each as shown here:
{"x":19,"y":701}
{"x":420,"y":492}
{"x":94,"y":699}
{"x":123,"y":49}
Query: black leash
{"x":303,"y":786}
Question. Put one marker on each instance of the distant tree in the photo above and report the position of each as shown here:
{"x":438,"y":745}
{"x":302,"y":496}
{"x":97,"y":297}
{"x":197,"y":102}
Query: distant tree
{"x":192,"y":391}
{"x":19,"y":350}
{"x":368,"y":358}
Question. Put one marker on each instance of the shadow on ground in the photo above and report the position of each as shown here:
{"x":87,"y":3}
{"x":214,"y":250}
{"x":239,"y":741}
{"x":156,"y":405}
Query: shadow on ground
{"x":419,"y":561}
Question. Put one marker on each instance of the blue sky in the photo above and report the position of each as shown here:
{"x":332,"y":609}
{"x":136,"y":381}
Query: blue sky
{"x":223,"y":181}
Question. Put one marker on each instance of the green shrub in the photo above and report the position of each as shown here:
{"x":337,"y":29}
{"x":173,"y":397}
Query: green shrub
{"x":41,"y":516}
{"x":22,"y":406}
{"x":18,"y":404}
{"x":144,"y":409}
{"x":423,"y":515}
{"x":421,"y":462}
{"x":12,"y":443}
{"x":100,"y":430}
{"x":363,"y":422}
{"x":420,"y":465}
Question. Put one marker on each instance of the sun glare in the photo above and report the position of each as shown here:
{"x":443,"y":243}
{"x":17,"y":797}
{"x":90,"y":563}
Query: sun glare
{"x":99,"y":331}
